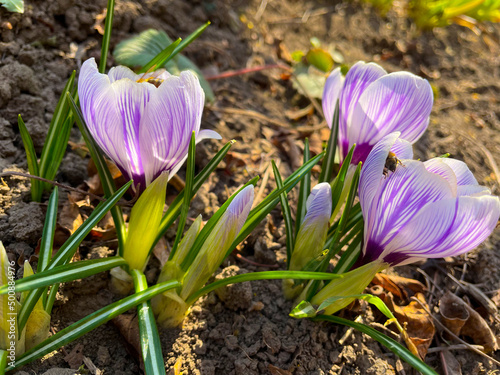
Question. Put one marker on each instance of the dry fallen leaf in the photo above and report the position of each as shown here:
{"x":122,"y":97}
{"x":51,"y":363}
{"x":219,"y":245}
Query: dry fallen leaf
{"x":397,"y":285}
{"x":277,"y":371}
{"x":454,"y":311}
{"x":75,"y":358}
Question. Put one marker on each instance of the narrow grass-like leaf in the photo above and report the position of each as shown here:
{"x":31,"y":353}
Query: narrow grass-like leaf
{"x":108,"y":185}
{"x":3,"y":361}
{"x":260,"y":212}
{"x":65,"y":273}
{"x":161,"y":59}
{"x":265,"y":275}
{"x":210,"y":224}
{"x":188,"y":192}
{"x":68,"y":250}
{"x":188,"y":40}
{"x":36,"y":187}
{"x":340,"y":230}
{"x":149,"y":336}
{"x":331,"y":149}
{"x":49,"y":301}
{"x":60,"y":147}
{"x":350,"y":256}
{"x":338,"y":183}
{"x":108,"y":25}
{"x":54,"y":133}
{"x":352,"y":231}
{"x":92,"y":321}
{"x":175,"y":207}
{"x":49,"y":229}
{"x":304,"y":191}
{"x":386,"y":341}
{"x":287,"y":216}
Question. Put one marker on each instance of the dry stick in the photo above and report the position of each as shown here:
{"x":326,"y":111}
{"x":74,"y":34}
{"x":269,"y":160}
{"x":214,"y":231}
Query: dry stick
{"x":66,"y":187}
{"x":260,"y":11}
{"x":349,"y":332}
{"x":239,"y":72}
{"x":471,"y":347}
{"x":259,"y":194}
{"x":452,"y":347}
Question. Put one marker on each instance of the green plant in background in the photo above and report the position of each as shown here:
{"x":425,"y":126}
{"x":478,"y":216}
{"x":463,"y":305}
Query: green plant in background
{"x":13,"y":5}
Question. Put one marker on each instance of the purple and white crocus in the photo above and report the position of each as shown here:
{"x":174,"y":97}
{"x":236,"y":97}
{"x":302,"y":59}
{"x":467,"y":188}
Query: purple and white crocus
{"x":142,"y":122}
{"x":422,"y":210}
{"x":373,"y":104}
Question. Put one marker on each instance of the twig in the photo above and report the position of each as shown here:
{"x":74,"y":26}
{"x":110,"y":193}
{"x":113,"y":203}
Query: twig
{"x":260,"y":11}
{"x":471,"y":347}
{"x":239,"y":256}
{"x":239,"y":72}
{"x":349,"y":332}
{"x":263,"y":185}
{"x":453,"y":347}
{"x":67,"y":187}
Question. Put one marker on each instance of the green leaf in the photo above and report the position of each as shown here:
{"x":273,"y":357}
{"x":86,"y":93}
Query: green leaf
{"x":389,"y":343}
{"x":68,"y":250}
{"x":65,"y":273}
{"x":265,"y":275}
{"x":175,"y":207}
{"x":108,"y":25}
{"x":331,"y":149}
{"x":350,"y":256}
{"x":320,"y":58}
{"x":108,"y":185}
{"x":303,"y":310}
{"x":16,"y":6}
{"x":36,"y":187}
{"x":161,"y":58}
{"x":48,"y":231}
{"x":287,"y":216}
{"x":141,"y":49}
{"x":149,"y":336}
{"x":48,"y":162}
{"x":92,"y":321}
{"x":188,"y":192}
{"x":310,"y":81}
{"x":304,"y":191}
{"x":263,"y":208}
{"x":209,"y":226}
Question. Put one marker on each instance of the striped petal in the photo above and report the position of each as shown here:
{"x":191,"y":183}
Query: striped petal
{"x":461,"y":170}
{"x":173,"y":113}
{"x":446,"y":228}
{"x":439,"y":167}
{"x":372,"y":173}
{"x":331,"y":93}
{"x":97,"y":101}
{"x":357,"y":80}
{"x":400,"y":198}
{"x":120,"y":72}
{"x":395,"y":102}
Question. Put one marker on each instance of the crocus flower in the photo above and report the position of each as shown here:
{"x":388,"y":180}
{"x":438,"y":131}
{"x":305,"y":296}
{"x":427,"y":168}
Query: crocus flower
{"x":314,"y":228}
{"x":373,"y":104}
{"x":421,"y":210}
{"x":142,"y":122}
{"x":311,"y":236}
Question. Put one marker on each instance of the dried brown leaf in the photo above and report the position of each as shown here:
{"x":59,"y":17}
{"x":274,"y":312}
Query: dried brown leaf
{"x":75,"y":358}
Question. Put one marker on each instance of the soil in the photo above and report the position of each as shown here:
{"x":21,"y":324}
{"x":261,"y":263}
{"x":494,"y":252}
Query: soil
{"x":251,"y":335}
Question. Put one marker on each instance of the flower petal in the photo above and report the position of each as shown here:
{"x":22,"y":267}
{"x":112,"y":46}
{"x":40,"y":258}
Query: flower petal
{"x":97,"y":101}
{"x":357,"y":80}
{"x":120,"y":72}
{"x":462,"y":171}
{"x":403,"y":149}
{"x":395,"y":102}
{"x":439,"y":167}
{"x":173,"y":113}
{"x":372,"y":171}
{"x":446,"y":228}
{"x":400,"y":198}
{"x":331,"y":93}
{"x":472,"y":190}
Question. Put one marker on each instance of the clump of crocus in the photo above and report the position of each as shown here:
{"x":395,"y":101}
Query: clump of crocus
{"x":142,"y":122}
{"x":373,"y":104}
{"x":420,"y":210}
{"x":311,"y":236}
{"x":171,"y":308}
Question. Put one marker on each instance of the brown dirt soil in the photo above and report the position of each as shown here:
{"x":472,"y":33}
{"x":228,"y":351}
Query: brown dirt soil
{"x":38,"y":51}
